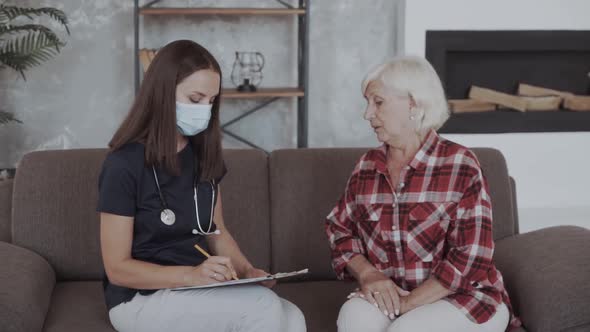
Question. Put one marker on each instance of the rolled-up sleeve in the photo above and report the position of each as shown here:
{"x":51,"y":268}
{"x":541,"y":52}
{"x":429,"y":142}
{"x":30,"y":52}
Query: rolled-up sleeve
{"x":342,"y":231}
{"x":469,"y":239}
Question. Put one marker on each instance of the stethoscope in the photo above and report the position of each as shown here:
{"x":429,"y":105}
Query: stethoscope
{"x":168,"y":217}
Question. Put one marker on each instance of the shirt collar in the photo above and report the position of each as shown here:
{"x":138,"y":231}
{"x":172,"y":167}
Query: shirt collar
{"x":426,"y":151}
{"x":420,"y":159}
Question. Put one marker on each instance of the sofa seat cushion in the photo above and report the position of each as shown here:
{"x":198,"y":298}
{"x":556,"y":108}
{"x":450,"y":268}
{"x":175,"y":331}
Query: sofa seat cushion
{"x":78,"y":306}
{"x":546,"y":273}
{"x":320,"y":301}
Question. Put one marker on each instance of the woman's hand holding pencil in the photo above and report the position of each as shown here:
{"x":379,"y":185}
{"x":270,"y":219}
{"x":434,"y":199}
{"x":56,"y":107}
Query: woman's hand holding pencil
{"x":219,"y":273}
{"x":252,"y":272}
{"x":213,"y":270}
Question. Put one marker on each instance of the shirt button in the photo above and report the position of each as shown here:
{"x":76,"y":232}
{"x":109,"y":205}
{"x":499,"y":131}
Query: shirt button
{"x":401,"y":184}
{"x":393,"y":205}
{"x":393,"y":227}
{"x":397,"y":250}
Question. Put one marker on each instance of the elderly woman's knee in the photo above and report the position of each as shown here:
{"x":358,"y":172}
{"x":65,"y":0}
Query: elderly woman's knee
{"x":351,"y":309}
{"x":359,"y":315}
{"x":403,"y":324}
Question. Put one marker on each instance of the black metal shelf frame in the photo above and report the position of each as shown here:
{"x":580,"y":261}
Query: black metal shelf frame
{"x":302,"y":79}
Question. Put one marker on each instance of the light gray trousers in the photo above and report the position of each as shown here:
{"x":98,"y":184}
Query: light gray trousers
{"x":237,"y":308}
{"x":358,"y":315}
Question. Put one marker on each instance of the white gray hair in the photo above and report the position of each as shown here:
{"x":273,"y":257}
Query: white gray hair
{"x":414,"y":76}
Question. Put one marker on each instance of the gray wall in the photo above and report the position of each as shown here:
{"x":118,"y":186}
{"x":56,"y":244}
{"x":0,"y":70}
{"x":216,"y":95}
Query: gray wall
{"x":79,"y":98}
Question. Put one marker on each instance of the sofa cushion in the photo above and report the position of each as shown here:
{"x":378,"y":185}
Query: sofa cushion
{"x":246,"y":203}
{"x":26,"y":284}
{"x":546,"y":273}
{"x":55,"y":197}
{"x":78,"y":306}
{"x":514,"y":205}
{"x":307,"y":183}
{"x":6,"y":210}
{"x":495,"y":170}
{"x":320,"y":301}
{"x":305,"y":186}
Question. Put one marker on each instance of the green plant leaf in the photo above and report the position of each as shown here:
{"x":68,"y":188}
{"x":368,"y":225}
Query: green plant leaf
{"x":9,"y":13}
{"x":28,"y":28}
{"x":27,"y":51}
{"x":28,"y":45}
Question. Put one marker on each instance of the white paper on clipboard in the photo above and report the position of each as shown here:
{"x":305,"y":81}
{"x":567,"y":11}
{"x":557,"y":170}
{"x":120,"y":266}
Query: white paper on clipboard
{"x":246,"y":281}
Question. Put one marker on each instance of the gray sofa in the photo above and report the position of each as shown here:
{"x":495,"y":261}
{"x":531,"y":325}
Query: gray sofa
{"x":275,"y":206}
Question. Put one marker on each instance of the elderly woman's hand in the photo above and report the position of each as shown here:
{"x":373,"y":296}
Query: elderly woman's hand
{"x":382,"y":292}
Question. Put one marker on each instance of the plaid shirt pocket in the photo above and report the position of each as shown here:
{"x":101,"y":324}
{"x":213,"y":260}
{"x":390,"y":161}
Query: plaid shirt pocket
{"x":370,"y":229}
{"x":428,"y":223}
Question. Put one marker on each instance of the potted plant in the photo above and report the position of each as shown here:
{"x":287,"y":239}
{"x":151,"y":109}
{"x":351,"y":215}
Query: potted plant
{"x":25,"y":44}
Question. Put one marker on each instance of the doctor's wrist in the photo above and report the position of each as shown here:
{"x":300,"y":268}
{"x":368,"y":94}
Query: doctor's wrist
{"x":182,"y":276}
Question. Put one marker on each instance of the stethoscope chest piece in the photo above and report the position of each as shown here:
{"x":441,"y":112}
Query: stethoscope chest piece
{"x":168,"y":217}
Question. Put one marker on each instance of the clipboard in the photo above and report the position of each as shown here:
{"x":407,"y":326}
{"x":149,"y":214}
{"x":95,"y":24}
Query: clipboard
{"x":246,"y":281}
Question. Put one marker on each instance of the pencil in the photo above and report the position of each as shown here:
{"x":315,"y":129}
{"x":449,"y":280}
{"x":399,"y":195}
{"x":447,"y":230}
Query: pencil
{"x":234,"y":276}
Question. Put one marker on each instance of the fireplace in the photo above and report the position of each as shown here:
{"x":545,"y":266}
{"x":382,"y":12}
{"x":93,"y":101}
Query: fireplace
{"x":500,"y":60}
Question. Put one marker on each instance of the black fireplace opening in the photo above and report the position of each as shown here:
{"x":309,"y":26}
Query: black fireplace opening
{"x":500,"y":60}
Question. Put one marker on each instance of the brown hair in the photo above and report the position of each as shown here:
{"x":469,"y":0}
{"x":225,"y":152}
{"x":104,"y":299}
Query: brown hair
{"x":152,"y":118}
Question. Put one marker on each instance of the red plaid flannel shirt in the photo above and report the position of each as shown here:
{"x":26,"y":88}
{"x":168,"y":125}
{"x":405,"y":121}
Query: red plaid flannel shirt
{"x":437,"y":221}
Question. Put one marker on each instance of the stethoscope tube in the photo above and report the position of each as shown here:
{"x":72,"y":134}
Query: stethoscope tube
{"x":201,"y":231}
{"x":168,"y":217}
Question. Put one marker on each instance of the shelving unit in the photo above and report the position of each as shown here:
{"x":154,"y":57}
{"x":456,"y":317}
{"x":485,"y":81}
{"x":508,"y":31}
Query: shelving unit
{"x":267,"y":95}
{"x":221,"y":11}
{"x":263,"y":93}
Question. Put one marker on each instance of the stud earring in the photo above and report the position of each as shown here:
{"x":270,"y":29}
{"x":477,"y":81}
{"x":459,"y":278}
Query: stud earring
{"x":412,"y":117}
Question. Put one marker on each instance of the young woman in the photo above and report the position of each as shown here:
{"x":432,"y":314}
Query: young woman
{"x":159,"y":195}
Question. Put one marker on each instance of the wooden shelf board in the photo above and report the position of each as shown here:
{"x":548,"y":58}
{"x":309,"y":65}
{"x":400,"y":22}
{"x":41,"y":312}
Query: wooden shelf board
{"x":263,"y":93}
{"x":221,"y":11}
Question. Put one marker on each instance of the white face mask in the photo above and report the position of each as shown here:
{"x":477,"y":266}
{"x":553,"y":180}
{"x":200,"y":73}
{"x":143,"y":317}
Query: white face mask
{"x":192,"y":119}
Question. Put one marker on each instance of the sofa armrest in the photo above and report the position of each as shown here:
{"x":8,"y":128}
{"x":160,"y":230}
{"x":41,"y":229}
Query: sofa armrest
{"x":546,"y":273}
{"x":26,"y":284}
{"x":6,"y":210}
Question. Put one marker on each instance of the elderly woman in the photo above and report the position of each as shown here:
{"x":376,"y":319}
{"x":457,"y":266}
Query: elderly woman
{"x":414,"y":225}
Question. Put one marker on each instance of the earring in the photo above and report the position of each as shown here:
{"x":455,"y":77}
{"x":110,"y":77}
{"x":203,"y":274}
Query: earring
{"x":412,"y":117}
